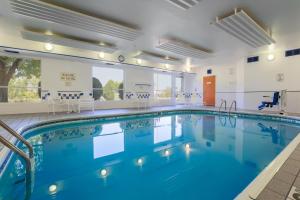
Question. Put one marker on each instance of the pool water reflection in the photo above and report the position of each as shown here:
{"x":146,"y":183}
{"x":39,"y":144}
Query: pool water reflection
{"x":184,"y":156}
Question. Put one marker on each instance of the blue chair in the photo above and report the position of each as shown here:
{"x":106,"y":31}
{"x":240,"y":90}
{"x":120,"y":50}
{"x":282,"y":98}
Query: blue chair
{"x":274,"y":132}
{"x":267,"y":104}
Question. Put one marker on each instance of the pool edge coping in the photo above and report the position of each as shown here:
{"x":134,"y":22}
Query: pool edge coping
{"x":250,"y":192}
{"x":256,"y":186}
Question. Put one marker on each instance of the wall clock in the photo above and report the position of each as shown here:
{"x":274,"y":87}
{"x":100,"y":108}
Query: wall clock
{"x":121,"y":58}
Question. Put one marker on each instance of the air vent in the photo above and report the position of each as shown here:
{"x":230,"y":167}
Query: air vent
{"x":244,"y":28}
{"x":158,"y":58}
{"x":52,"y":13}
{"x":182,"y":48}
{"x":65,"y":40}
{"x":293,"y":52}
{"x":184,"y":4}
{"x":253,"y":59}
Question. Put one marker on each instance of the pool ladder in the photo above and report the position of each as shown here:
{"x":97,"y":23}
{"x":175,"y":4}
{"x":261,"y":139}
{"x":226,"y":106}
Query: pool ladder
{"x":231,"y":107}
{"x":14,"y":148}
{"x":223,"y":102}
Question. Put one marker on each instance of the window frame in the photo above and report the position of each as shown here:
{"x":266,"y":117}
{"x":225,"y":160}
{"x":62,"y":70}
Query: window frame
{"x":123,"y":81}
{"x":155,"y":89}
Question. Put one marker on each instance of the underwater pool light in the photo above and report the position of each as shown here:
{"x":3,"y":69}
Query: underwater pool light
{"x":140,"y":161}
{"x":52,"y":189}
{"x":167,"y":153}
{"x":187,"y":147}
{"x":103,"y":172}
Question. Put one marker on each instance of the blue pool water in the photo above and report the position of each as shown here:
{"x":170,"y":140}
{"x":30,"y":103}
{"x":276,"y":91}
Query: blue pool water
{"x":176,"y":156}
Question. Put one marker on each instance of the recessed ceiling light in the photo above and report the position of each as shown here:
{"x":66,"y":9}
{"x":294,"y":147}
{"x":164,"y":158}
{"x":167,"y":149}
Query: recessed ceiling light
{"x":139,"y":61}
{"x":101,"y":55}
{"x":49,"y":46}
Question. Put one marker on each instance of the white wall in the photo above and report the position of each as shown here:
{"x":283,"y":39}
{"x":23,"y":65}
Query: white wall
{"x":262,"y":76}
{"x":227,"y":80}
{"x":245,"y":80}
{"x":51,"y":69}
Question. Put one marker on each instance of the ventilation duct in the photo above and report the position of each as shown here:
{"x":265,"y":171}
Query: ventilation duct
{"x":65,"y":41}
{"x":52,"y":13}
{"x":182,"y":48}
{"x":244,"y":28}
{"x":157,"y":58}
{"x":184,"y":4}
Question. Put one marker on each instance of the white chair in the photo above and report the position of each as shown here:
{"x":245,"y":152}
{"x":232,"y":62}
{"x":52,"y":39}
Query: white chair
{"x":86,"y":102}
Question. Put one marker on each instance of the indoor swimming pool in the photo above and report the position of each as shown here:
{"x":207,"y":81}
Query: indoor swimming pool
{"x":171,"y":155}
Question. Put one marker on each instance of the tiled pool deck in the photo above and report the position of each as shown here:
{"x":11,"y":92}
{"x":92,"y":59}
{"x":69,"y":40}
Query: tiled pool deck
{"x":281,"y":187}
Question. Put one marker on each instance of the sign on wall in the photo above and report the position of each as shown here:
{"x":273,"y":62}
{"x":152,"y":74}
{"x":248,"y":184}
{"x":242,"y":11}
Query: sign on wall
{"x":67,"y":78}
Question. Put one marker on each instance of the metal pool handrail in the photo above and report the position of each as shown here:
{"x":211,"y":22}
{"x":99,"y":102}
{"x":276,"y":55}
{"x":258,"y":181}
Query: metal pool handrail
{"x":231,"y":106}
{"x":223,"y":101}
{"x":19,"y":152}
{"x":18,"y":136}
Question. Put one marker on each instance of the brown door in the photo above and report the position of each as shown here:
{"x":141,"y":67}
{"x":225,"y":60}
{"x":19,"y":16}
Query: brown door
{"x":209,"y":90}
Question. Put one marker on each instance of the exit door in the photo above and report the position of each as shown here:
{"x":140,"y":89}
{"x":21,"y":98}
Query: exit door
{"x":209,"y":90}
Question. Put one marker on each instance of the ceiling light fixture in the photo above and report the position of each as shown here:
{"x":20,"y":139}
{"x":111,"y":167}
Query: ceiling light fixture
{"x":68,"y":41}
{"x":139,"y":61}
{"x":49,"y":46}
{"x":182,"y":48}
{"x":41,"y":10}
{"x":101,"y":55}
{"x":158,"y":58}
{"x":184,"y":4}
{"x":243,"y":27}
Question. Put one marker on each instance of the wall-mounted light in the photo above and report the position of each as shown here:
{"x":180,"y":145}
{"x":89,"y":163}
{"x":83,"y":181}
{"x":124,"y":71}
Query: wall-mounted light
{"x":167,"y":66}
{"x":139,"y":61}
{"x":101,"y":54}
{"x":271,"y":57}
{"x":49,"y":46}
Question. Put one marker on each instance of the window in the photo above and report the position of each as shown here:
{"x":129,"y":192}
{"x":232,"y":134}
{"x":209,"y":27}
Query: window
{"x":107,"y":84}
{"x":162,"y":85}
{"x":19,"y":79}
{"x":178,"y":86}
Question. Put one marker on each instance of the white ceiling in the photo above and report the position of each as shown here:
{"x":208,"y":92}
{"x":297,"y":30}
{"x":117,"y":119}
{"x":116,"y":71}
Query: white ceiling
{"x":158,"y":18}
